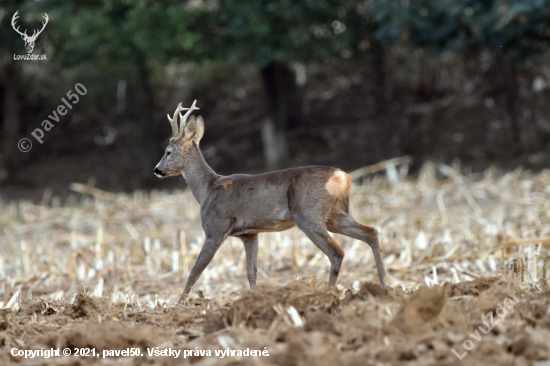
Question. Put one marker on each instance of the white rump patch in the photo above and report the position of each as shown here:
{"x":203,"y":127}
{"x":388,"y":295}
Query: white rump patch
{"x":337,"y":184}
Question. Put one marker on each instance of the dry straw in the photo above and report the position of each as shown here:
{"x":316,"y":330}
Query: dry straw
{"x":439,"y":226}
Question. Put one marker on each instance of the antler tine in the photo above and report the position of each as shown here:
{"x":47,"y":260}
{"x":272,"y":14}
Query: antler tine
{"x":13,"y":21}
{"x":174,"y":121}
{"x":183,"y":119}
{"x":43,"y":24}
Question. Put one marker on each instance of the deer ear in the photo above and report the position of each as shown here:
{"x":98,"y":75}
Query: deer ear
{"x":199,"y":130}
{"x":194,"y":129}
{"x":190,"y":128}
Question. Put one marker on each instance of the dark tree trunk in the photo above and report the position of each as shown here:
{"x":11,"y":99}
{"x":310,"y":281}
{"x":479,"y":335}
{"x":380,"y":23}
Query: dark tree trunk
{"x":145,"y":146}
{"x":11,"y":119}
{"x":382,"y":67}
{"x":285,"y":113}
{"x":149,"y":95}
{"x":511,"y":95}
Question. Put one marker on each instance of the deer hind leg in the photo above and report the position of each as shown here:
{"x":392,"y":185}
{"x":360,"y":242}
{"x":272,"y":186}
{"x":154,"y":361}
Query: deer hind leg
{"x":209,"y":248}
{"x":251,"y":249}
{"x":310,"y":199}
{"x":341,"y":222}
{"x":317,"y":232}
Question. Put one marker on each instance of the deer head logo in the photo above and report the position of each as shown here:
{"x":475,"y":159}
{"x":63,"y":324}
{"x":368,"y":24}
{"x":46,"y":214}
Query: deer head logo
{"x":29,"y":41}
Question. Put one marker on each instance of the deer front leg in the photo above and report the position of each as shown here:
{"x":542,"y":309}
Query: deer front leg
{"x":251,"y":249}
{"x":209,"y":248}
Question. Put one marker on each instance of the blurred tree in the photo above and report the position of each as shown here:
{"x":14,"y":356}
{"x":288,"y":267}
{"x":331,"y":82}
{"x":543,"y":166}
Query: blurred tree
{"x":122,"y":42}
{"x":272,"y":34}
{"x":517,"y":30}
{"x":514,"y":31}
{"x":10,"y":85}
{"x":120,"y":37}
{"x":113,"y":40}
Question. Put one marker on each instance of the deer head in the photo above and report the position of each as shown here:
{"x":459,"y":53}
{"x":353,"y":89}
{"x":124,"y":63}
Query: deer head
{"x":189,"y":134}
{"x":29,"y":41}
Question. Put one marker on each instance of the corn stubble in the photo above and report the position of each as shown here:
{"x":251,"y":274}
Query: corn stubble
{"x":455,"y":246}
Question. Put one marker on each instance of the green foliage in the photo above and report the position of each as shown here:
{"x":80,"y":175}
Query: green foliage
{"x":109,"y":32}
{"x":274,"y":31}
{"x":514,"y":29}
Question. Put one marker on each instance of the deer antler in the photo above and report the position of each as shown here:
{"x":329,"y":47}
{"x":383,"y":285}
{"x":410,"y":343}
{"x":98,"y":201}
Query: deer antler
{"x":13,"y":20}
{"x":183,"y":119}
{"x":43,"y":26}
{"x":173,"y":120}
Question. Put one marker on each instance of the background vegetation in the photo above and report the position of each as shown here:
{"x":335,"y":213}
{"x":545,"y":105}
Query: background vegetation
{"x":280,"y":83}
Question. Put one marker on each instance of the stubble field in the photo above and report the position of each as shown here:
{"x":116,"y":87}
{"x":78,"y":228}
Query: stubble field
{"x":466,"y":257}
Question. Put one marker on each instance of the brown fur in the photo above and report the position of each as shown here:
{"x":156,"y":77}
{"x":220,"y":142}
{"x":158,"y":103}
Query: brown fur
{"x":369,"y":230}
{"x":336,"y":246}
{"x":227,"y":185}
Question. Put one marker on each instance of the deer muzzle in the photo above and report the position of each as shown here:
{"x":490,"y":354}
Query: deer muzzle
{"x":158,"y":172}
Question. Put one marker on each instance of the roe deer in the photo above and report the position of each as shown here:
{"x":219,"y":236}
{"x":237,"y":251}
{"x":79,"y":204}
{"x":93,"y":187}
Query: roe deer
{"x":313,"y":198}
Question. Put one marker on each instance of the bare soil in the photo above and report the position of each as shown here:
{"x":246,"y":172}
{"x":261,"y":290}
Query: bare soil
{"x":374,"y":326}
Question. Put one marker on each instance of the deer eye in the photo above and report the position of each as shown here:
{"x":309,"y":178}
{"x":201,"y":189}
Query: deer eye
{"x":168,"y":153}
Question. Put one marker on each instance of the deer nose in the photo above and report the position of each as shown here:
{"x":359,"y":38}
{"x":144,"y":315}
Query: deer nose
{"x":158,"y":173}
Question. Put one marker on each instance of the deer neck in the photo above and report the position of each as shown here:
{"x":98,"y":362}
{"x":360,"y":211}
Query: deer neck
{"x":198,"y":174}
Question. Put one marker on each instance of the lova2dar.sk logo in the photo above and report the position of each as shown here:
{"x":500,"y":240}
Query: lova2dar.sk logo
{"x":29,"y":40}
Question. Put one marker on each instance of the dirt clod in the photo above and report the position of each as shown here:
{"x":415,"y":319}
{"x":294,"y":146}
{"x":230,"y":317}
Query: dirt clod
{"x":421,"y":310}
{"x":256,"y":308}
